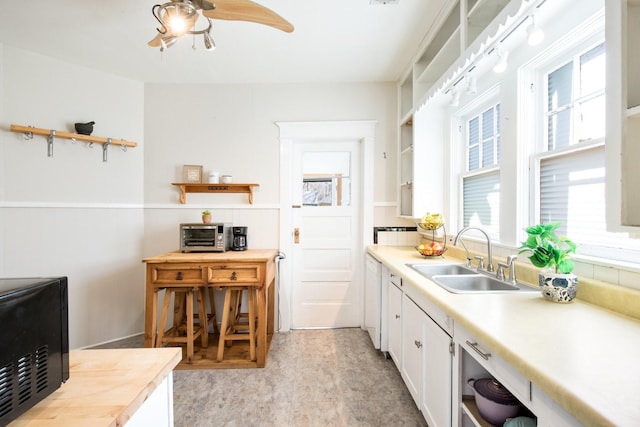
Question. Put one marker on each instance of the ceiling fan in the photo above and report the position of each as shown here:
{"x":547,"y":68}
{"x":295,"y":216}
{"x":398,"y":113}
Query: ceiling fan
{"x":178,"y":18}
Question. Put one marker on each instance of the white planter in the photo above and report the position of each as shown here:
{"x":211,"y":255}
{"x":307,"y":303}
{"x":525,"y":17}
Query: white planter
{"x":558,"y":287}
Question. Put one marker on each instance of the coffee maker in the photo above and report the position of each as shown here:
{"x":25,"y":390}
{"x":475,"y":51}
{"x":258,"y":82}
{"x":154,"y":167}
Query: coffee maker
{"x":239,"y":239}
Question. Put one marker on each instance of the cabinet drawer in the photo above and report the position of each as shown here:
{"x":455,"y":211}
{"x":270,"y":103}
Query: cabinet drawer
{"x":235,"y":273}
{"x":176,"y":273}
{"x":497,"y":367}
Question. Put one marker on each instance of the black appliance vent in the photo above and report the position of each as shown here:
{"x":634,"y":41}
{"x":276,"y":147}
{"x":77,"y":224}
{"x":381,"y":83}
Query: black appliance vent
{"x":24,"y":378}
{"x":6,"y":389}
{"x":42,"y":368}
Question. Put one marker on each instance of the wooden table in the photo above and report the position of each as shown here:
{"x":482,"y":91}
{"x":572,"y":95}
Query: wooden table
{"x":108,"y":388}
{"x":254,"y":267}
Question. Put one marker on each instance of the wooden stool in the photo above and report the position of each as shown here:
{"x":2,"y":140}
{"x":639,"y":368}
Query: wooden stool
{"x":233,"y":327}
{"x":184,"y":329}
{"x":212,"y":318}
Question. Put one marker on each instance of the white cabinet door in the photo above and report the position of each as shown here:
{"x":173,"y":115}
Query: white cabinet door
{"x":395,"y":322}
{"x":413,"y":319}
{"x":157,"y":409}
{"x":437,"y":376}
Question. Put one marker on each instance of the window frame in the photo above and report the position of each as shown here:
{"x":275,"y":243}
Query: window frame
{"x":538,"y":151}
{"x":459,"y":151}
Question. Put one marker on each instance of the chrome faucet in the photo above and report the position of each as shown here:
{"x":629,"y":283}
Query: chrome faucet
{"x":511,"y":265}
{"x":489,"y":257}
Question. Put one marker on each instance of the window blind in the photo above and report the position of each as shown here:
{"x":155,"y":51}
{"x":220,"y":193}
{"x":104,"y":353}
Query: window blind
{"x":481,"y":202}
{"x":572,"y":190}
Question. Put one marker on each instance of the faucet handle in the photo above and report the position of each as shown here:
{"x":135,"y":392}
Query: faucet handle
{"x":480,"y":261}
{"x":500,"y":270}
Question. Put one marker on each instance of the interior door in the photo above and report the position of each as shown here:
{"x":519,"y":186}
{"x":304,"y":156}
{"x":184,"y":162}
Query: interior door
{"x":326,"y":186}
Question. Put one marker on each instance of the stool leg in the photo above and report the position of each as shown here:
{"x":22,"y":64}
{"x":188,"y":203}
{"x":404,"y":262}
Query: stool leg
{"x":178,"y":309}
{"x":252,"y":322}
{"x":203,"y":321}
{"x":190,"y":326}
{"x":225,"y":320}
{"x":163,"y":317}
{"x":212,"y":307}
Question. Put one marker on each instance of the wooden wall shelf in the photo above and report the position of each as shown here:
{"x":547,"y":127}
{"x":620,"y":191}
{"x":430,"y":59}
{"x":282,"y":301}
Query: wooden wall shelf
{"x":51,"y":134}
{"x":187,"y":187}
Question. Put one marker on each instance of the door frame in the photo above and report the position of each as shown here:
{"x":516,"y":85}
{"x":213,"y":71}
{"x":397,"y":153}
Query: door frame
{"x":321,"y":131}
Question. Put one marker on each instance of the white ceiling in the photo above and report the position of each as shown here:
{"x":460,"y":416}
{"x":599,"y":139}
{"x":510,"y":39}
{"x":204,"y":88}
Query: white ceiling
{"x":333,"y":40}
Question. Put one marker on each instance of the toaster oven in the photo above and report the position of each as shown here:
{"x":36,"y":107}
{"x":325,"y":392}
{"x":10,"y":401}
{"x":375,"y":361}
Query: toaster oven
{"x":215,"y":237}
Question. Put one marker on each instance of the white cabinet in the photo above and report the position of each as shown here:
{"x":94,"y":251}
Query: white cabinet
{"x":623,"y":113}
{"x":394,"y":319}
{"x":549,"y":413}
{"x":427,"y":363}
{"x":413,"y":320}
{"x":475,"y":360}
{"x":422,"y":130}
{"x":435,"y":403}
{"x":157,"y":409}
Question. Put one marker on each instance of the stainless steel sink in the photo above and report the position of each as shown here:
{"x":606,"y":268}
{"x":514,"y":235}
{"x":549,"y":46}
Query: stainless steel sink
{"x":478,"y":283}
{"x":430,"y":270}
{"x":458,"y":278}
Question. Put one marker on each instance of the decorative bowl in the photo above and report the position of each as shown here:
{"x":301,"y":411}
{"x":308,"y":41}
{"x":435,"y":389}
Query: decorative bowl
{"x":428,"y":251}
{"x":430,"y":225}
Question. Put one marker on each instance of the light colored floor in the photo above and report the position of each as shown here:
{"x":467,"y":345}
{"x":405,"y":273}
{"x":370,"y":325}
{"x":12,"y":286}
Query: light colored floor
{"x":312,"y":378}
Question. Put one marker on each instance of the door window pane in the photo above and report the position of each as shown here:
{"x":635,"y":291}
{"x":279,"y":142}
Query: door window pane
{"x":326,"y":178}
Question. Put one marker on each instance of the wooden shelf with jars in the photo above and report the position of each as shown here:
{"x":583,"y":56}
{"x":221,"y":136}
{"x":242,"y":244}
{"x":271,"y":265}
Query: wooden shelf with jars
{"x":189,"y":187}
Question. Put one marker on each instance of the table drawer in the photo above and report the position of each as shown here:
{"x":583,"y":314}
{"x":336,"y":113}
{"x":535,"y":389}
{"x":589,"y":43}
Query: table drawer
{"x":178,"y":273}
{"x":235,"y":273}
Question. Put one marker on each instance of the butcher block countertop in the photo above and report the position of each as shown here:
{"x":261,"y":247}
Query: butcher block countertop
{"x":583,"y":356}
{"x":105,"y":387}
{"x":257,"y":255}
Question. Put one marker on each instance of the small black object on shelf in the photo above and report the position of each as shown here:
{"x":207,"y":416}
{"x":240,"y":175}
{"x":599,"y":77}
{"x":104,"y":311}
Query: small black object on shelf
{"x":84,"y":128}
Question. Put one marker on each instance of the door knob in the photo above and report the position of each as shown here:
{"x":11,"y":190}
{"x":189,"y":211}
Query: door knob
{"x":296,"y":235}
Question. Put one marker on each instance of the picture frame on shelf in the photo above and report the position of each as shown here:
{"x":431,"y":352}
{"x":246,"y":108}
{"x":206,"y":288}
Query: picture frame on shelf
{"x":192,"y":174}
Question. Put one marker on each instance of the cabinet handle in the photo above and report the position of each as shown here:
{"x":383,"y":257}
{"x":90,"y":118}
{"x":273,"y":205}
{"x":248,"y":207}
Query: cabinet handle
{"x":233,"y":276}
{"x":474,"y":346}
{"x":397,"y":316}
{"x":179,"y":275}
{"x":418,"y":343}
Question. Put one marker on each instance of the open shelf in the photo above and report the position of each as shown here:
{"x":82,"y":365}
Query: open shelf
{"x":28,"y":130}
{"x":187,"y":187}
{"x":470,"y":408}
{"x":633,"y":112}
{"x":52,"y":134}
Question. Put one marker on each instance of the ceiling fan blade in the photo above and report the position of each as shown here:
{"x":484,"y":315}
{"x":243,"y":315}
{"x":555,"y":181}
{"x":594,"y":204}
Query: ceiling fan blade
{"x":156,"y":42}
{"x":247,"y":10}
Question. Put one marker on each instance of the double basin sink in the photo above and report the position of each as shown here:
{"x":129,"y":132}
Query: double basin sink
{"x":458,"y":278}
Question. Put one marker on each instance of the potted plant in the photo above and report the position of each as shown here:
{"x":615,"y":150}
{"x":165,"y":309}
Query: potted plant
{"x":206,"y":217}
{"x":552,"y":253}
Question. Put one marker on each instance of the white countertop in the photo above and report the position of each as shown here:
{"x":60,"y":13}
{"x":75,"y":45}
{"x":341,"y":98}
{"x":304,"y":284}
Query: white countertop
{"x":584,"y":357}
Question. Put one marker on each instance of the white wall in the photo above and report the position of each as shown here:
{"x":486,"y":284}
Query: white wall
{"x":72,"y":214}
{"x":231,"y":128}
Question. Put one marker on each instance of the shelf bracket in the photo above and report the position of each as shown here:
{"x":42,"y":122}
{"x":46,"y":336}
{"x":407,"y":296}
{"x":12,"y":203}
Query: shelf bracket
{"x":104,"y":149}
{"x":50,"y":138}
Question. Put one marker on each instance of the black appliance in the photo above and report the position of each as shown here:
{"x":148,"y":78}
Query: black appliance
{"x":239,"y":239}
{"x":34,"y":354}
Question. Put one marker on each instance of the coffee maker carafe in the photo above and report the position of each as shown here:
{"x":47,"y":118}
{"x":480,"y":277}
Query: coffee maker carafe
{"x":239,"y":239}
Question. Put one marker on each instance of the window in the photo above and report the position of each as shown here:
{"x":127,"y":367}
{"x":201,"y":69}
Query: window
{"x":481,"y":178}
{"x":571,"y":165}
